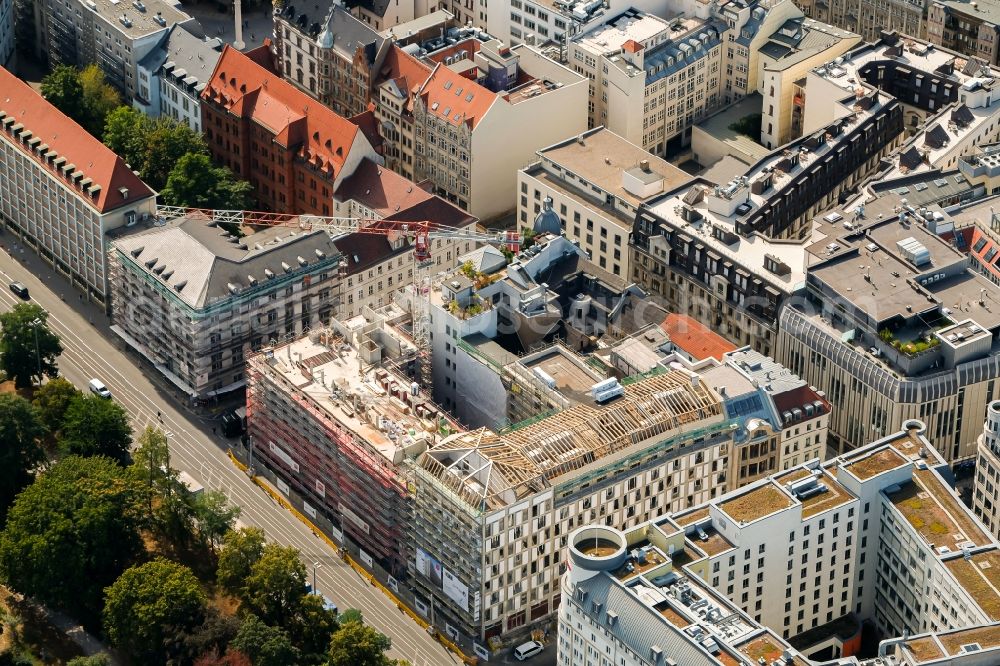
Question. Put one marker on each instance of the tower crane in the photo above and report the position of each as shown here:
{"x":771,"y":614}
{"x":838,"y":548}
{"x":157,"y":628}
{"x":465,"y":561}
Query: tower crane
{"x":421,"y":233}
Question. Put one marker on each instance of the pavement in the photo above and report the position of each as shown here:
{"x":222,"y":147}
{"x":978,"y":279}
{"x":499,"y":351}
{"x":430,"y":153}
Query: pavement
{"x":91,"y":350}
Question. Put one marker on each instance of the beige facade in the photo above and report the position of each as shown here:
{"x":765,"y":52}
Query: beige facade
{"x":870,"y":17}
{"x":972,"y":29}
{"x":986,"y":491}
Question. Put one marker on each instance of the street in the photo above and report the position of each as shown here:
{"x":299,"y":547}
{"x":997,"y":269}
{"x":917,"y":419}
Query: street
{"x":91,"y":350}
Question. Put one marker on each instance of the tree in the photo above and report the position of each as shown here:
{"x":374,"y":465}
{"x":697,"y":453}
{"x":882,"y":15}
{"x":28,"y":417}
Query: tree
{"x":27,"y":345}
{"x":211,"y":637}
{"x":20,"y":429}
{"x":311,"y":628}
{"x":231,"y":658}
{"x":265,"y":645}
{"x":64,"y":90}
{"x":165,"y":144}
{"x":241,"y":549}
{"x":125,"y":131}
{"x":96,"y":426}
{"x":351,"y":615}
{"x":276,"y":584}
{"x":145,"y":601}
{"x":100,"y":659}
{"x":357,"y":644}
{"x":195,"y":182}
{"x":72,"y":532}
{"x":98,"y":98}
{"x":214,"y":516}
{"x":52,"y":399}
{"x":151,"y":459}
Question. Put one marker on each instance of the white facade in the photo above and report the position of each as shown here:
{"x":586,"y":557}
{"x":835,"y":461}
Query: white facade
{"x":986,"y":493}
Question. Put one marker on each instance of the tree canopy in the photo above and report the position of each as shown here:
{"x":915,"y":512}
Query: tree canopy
{"x":195,"y":182}
{"x":276,"y":585}
{"x":357,"y":644}
{"x":52,"y":400}
{"x":19,"y":357}
{"x":20,"y":429}
{"x":95,"y":426}
{"x":241,"y":549}
{"x":148,"y":604}
{"x":83,"y":95}
{"x":263,"y":644}
{"x":72,"y":532}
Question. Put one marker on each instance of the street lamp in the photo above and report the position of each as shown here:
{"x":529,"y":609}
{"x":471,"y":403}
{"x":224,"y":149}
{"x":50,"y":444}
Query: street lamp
{"x":38,"y":357}
{"x":316,"y":565}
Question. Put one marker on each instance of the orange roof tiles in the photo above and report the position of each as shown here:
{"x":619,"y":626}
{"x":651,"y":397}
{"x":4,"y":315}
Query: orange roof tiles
{"x":408,"y":72}
{"x":91,"y":157}
{"x":248,"y":89}
{"x":454,"y":98}
{"x":632,"y":46}
{"x":695,"y":338}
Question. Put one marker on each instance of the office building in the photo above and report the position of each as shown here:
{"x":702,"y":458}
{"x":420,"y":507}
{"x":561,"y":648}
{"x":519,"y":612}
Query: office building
{"x":7,"y":34}
{"x":334,"y":58}
{"x":876,"y":535}
{"x":294,"y":151}
{"x":869,"y":19}
{"x":590,"y":187}
{"x":62,"y":189}
{"x":986,"y":491}
{"x":113,"y":35}
{"x":172,"y":76}
{"x":920,"y":321}
{"x":196,"y":300}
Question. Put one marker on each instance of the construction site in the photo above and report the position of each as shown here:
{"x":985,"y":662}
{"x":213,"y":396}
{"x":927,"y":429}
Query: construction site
{"x":335,"y":415}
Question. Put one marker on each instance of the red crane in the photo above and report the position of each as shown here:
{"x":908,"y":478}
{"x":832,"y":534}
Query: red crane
{"x":421,"y":233}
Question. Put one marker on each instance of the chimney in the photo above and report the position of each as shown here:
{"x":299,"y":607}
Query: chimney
{"x":644,"y":165}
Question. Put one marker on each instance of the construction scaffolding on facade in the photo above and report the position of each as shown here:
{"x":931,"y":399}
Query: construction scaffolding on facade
{"x":336,"y":424}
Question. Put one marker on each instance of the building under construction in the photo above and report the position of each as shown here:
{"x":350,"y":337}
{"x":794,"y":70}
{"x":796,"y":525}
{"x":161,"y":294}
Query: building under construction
{"x":335,"y":423}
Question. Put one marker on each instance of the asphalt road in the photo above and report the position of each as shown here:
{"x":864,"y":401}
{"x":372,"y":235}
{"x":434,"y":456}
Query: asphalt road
{"x":90,"y":350}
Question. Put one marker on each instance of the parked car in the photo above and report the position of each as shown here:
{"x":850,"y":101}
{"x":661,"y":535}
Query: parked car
{"x":527,"y":650}
{"x":98,"y":388}
{"x":19,"y":289}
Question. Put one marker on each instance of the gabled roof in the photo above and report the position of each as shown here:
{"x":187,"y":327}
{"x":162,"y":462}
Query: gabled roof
{"x":911,"y":158}
{"x":66,"y":140}
{"x":935,"y":137}
{"x":404,"y":72}
{"x":243,"y":85}
{"x":454,"y":98}
{"x":961,"y":116}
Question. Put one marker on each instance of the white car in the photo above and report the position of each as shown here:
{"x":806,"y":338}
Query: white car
{"x":527,"y":650}
{"x":98,"y":388}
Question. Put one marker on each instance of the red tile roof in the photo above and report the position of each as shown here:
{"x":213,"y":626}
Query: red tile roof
{"x":695,"y":338}
{"x":249,"y":90}
{"x":408,"y":72}
{"x":454,"y":98}
{"x":632,"y":46}
{"x":70,"y":141}
{"x":987,"y":248}
{"x":799,"y":397}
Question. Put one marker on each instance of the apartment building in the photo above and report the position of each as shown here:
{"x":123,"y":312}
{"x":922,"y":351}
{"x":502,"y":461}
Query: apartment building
{"x":376,"y":266}
{"x":334,"y":419}
{"x":920,"y":321}
{"x":113,"y":35}
{"x":61,"y":189}
{"x":468,"y":116}
{"x":869,"y":18}
{"x":172,"y":76}
{"x":970,"y":29}
{"x":293,"y":151}
{"x":197,"y":301}
{"x":590,"y":187}
{"x":334,"y":58}
{"x":986,"y":492}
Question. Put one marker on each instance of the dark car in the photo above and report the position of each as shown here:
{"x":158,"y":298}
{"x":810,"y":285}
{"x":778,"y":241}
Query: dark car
{"x":19,"y":289}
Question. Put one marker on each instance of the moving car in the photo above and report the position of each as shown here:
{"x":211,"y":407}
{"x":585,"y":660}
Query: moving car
{"x":98,"y":388}
{"x":19,"y":289}
{"x":527,"y":650}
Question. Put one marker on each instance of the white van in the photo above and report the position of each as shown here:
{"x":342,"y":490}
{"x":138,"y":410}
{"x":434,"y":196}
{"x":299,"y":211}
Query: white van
{"x":98,"y":388}
{"x":527,"y":650}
